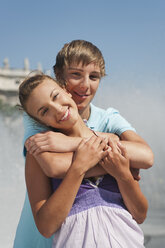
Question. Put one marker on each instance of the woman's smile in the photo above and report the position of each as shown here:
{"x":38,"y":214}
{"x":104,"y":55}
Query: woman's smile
{"x":66,"y":115}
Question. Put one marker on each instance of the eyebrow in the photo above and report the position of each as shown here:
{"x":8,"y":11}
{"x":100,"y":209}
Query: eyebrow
{"x":40,"y":109}
{"x":50,"y":97}
{"x":52,"y":92}
{"x":72,"y":68}
{"x":77,"y":69}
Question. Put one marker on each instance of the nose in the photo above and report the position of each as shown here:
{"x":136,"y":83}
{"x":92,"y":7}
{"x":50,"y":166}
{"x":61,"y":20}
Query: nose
{"x":85,"y":83}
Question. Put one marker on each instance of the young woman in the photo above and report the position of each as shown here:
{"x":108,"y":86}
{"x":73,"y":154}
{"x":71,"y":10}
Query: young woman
{"x":79,"y":66}
{"x":76,"y":213}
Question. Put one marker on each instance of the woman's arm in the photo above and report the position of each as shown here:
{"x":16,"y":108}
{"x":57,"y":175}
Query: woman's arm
{"x":45,"y":205}
{"x":133,"y":197}
{"x":50,"y":209}
{"x":56,"y":165}
{"x":117,"y":164}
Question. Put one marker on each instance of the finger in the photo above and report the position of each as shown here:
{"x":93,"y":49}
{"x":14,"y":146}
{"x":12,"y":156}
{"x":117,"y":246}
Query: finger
{"x":135,"y":173}
{"x":103,"y":145}
{"x":27,"y":142}
{"x":37,"y":138}
{"x":138,"y":178}
{"x":28,"y":145}
{"x":33,"y":146}
{"x":83,"y":141}
{"x":41,"y":149}
{"x":123,"y":150}
{"x":39,"y":145}
{"x":32,"y":149}
{"x":37,"y":151}
{"x":101,"y":162}
{"x":110,"y":157}
{"x":93,"y":140}
{"x":104,"y":154}
{"x":41,"y":135}
{"x":113,"y":146}
{"x":33,"y":140}
{"x":106,"y":140}
{"x":99,"y":142}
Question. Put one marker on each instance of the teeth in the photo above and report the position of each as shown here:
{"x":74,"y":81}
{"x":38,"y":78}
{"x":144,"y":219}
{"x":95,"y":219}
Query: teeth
{"x":65,"y":115}
{"x":81,"y":95}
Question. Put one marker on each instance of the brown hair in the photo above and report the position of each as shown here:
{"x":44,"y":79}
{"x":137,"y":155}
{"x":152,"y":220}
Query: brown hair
{"x":28,"y":85}
{"x":77,"y":51}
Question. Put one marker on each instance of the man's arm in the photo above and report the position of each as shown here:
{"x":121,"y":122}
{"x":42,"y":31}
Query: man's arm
{"x":139,"y":152}
{"x":57,"y":164}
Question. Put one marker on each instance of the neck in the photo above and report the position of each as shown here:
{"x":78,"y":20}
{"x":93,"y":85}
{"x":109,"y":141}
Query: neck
{"x":79,"y":129}
{"x":85,"y":113}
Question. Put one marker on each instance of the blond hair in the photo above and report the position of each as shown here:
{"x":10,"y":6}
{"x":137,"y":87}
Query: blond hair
{"x":76,"y":52}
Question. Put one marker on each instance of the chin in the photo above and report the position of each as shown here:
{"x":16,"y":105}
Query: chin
{"x":82,"y":105}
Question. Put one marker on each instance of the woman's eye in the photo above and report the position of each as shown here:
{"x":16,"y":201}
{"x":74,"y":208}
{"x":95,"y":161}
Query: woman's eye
{"x":55,"y":96}
{"x":44,"y":111}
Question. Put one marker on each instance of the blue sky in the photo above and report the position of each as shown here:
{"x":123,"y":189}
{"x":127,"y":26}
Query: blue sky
{"x":130,"y":34}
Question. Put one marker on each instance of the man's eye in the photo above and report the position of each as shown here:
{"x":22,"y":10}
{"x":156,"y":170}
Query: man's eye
{"x":94,"y":77}
{"x":76,"y":74}
{"x":44,"y":111}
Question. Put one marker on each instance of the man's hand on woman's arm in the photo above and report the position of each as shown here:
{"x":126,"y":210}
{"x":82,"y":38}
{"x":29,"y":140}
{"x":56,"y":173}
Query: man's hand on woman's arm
{"x":57,"y":142}
{"x":51,"y":142}
{"x":57,"y":164}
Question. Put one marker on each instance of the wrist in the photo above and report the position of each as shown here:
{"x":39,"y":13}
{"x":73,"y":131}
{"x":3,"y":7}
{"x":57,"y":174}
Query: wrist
{"x":78,"y":169}
{"x":73,"y":143}
{"x":125,"y":178}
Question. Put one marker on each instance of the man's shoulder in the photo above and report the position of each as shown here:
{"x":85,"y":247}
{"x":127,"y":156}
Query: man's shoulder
{"x":99,"y":118}
{"x":100,"y":112}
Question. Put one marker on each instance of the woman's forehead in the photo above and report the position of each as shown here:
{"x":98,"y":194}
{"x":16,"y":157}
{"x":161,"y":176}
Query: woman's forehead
{"x":51,"y":83}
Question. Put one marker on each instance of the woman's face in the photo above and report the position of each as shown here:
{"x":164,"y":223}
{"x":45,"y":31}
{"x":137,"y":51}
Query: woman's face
{"x":52,"y":105}
{"x":82,"y":83}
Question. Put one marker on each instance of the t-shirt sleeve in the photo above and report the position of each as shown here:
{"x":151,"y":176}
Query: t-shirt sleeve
{"x":31,"y":127}
{"x":116,"y":123}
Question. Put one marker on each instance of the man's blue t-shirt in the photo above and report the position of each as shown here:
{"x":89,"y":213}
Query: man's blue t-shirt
{"x":108,"y":121}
